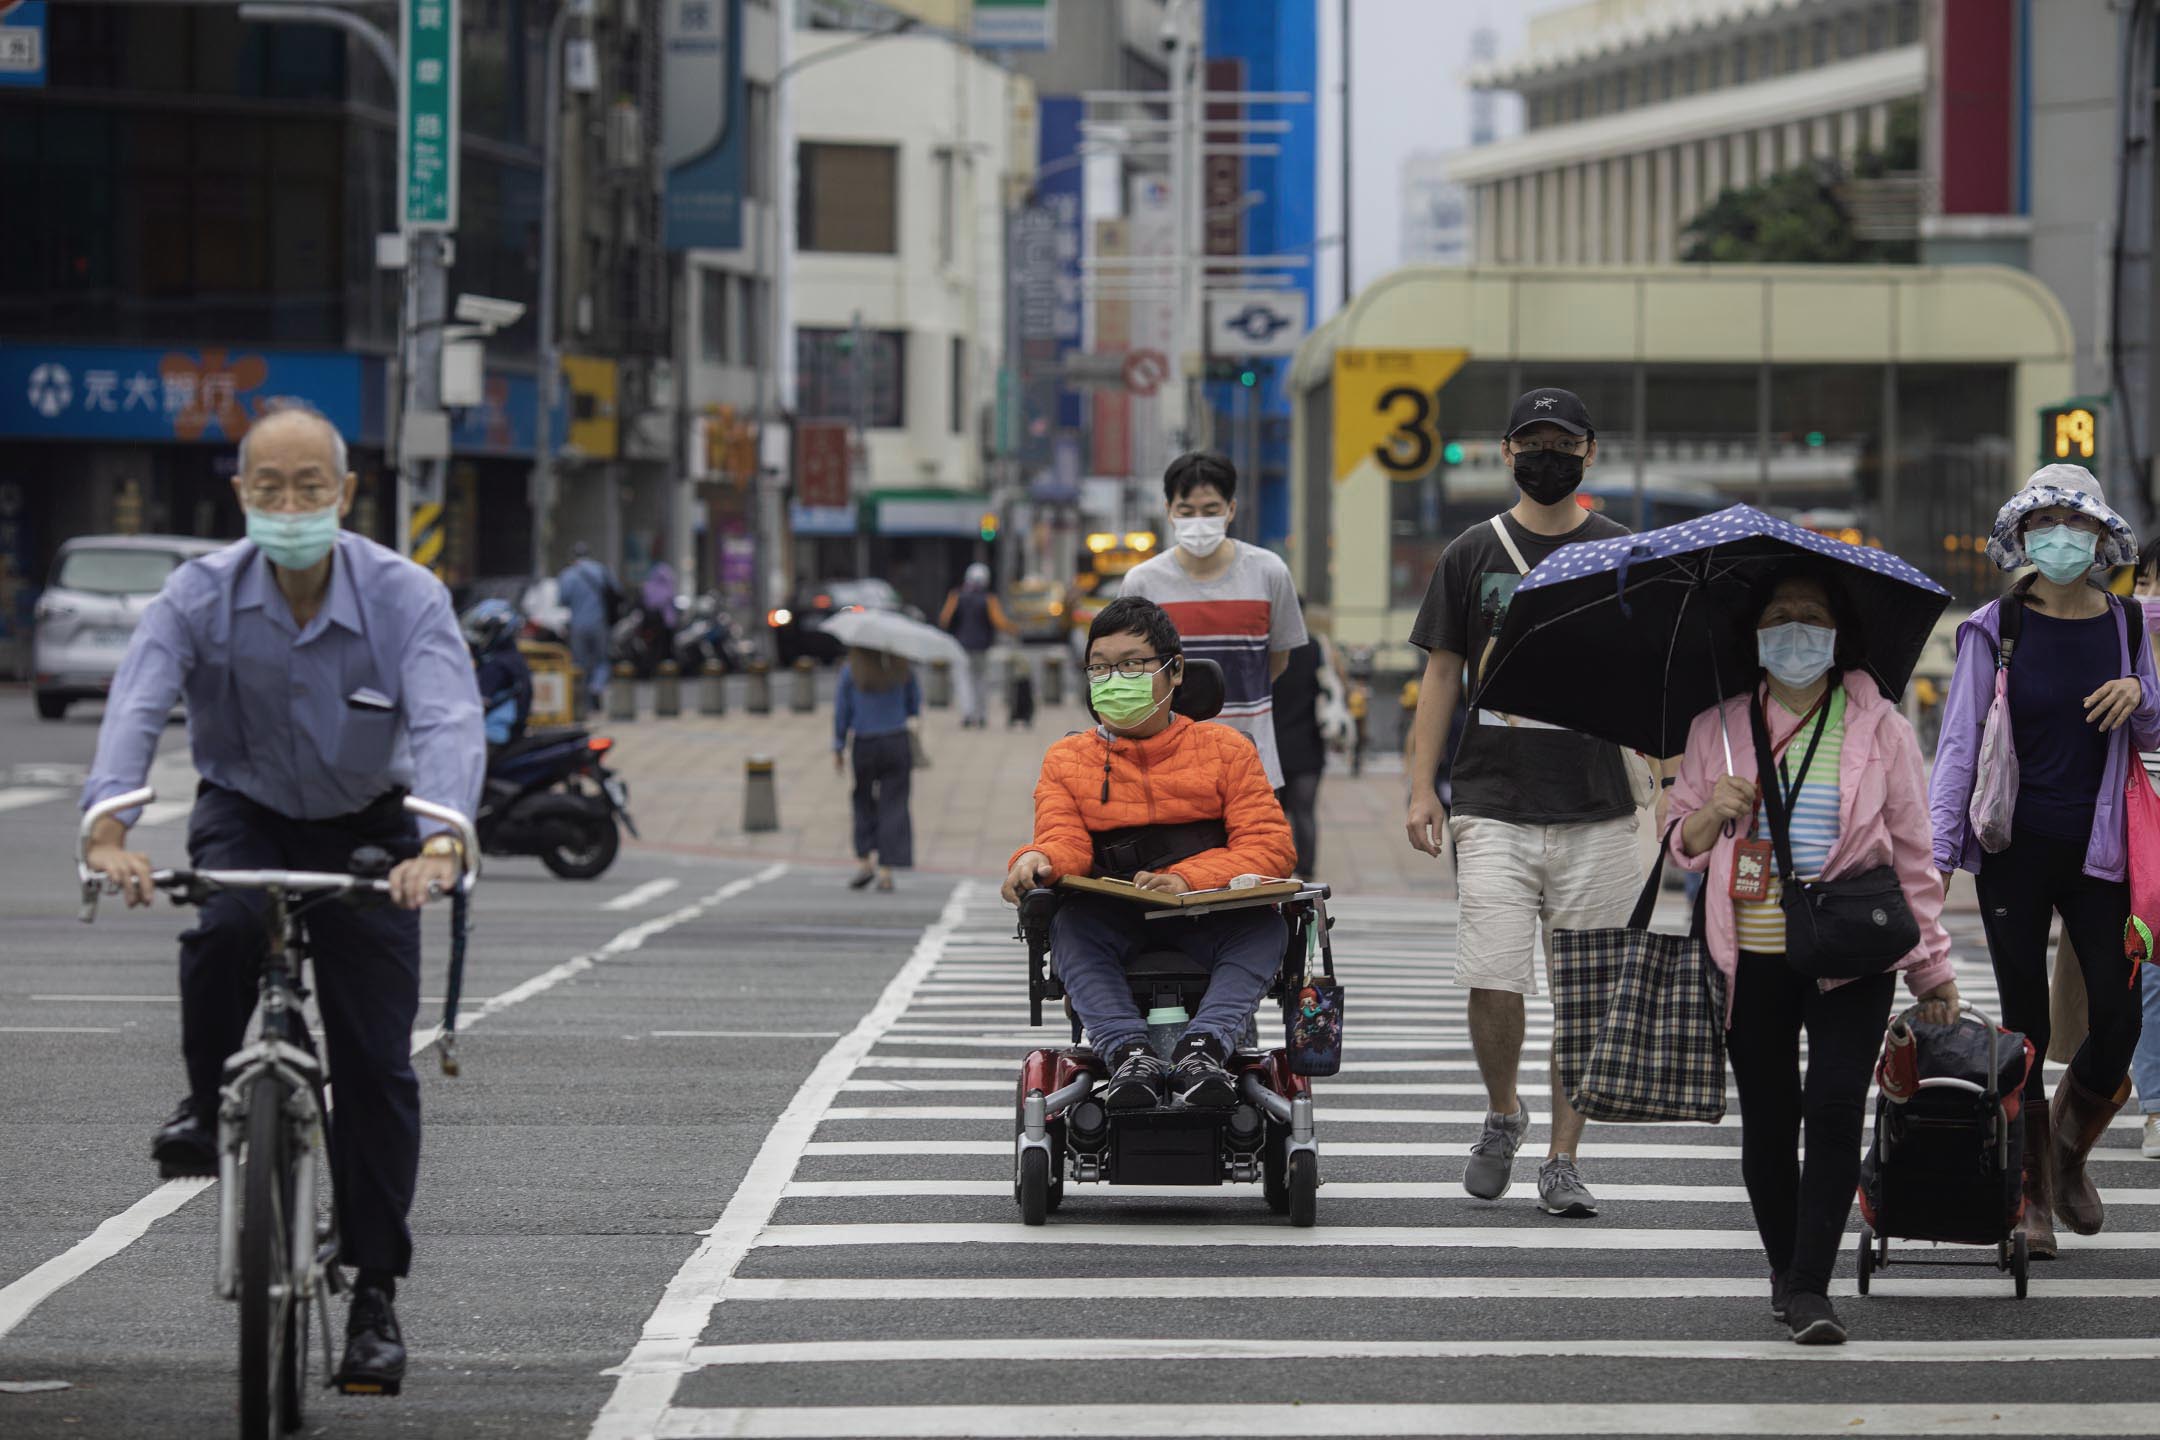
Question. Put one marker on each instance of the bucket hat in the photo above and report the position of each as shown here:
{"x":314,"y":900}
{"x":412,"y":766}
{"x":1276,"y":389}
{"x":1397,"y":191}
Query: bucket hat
{"x":2068,"y":485}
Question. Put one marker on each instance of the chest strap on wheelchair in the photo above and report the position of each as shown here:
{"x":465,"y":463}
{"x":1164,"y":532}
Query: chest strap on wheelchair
{"x":1121,"y":854}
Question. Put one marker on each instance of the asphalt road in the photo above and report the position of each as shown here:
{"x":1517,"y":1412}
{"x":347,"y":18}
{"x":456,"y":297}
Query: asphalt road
{"x":748,"y":1173}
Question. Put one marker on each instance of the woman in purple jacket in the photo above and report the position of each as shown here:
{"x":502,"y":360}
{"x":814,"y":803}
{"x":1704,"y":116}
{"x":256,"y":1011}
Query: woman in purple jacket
{"x":2082,"y":694}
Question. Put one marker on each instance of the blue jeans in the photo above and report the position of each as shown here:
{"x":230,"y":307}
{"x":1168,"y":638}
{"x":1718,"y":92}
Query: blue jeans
{"x":1092,"y":938}
{"x":2145,"y":1060}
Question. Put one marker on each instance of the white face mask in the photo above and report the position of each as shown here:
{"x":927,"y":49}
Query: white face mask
{"x":1200,"y":535}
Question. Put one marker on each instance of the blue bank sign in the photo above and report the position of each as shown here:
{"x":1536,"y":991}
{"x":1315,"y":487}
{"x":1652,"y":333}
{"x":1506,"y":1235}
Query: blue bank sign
{"x":205,"y":395}
{"x":22,"y":42}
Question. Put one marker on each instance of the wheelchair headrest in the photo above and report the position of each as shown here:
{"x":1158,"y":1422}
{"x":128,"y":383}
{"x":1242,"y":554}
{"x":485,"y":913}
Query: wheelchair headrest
{"x":1200,"y":697}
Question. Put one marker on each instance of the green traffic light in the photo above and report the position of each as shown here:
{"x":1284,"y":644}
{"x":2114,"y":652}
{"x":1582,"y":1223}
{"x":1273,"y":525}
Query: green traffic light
{"x":1815,"y":439}
{"x":1248,"y":379}
{"x":1453,"y":452}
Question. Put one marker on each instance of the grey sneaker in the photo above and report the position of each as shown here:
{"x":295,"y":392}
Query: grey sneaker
{"x":1492,"y":1159}
{"x":1561,"y":1191}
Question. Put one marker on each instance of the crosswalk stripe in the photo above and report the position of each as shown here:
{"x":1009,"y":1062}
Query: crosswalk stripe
{"x":1558,"y":1289}
{"x":1333,"y":1190}
{"x":1594,"y":1149}
{"x":1389,"y":1237}
{"x":1324,"y":1115}
{"x":1141,"y":1419}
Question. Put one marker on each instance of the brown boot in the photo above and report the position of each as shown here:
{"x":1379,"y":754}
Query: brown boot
{"x":2037,"y":1223}
{"x":2078,"y":1119}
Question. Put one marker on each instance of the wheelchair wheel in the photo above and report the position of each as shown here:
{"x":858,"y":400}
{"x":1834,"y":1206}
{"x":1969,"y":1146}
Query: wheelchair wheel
{"x":1304,"y":1184}
{"x":1866,"y":1264}
{"x":2020,"y":1263}
{"x":1034,"y":1187}
{"x":1053,"y":1164}
{"x":1274,"y":1184}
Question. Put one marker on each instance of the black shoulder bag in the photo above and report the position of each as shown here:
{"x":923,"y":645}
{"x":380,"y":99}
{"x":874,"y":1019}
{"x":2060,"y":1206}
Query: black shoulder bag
{"x":1837,"y":929}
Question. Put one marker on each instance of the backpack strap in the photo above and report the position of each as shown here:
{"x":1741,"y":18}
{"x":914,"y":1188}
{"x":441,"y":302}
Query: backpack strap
{"x":1507,"y":543}
{"x":2010,"y":621}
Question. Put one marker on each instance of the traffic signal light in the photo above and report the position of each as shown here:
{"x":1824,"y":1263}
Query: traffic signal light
{"x":988,"y":529}
{"x":1452,"y":452}
{"x":2070,"y":434}
{"x":1248,"y":378}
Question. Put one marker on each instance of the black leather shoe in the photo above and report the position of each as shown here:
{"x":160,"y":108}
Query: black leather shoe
{"x":374,"y":1361}
{"x":1136,"y":1078}
{"x":185,"y":1145}
{"x":1812,"y":1320}
{"x":1198,"y":1078}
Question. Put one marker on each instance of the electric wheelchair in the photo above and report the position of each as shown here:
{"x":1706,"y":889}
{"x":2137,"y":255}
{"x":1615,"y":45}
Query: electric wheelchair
{"x":1063,"y":1132}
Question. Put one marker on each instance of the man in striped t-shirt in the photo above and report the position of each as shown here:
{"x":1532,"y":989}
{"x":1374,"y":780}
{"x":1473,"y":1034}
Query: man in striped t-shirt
{"x":1232,"y":603}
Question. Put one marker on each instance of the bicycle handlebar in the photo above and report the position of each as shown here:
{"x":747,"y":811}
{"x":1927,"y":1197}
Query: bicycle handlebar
{"x":95,"y":884}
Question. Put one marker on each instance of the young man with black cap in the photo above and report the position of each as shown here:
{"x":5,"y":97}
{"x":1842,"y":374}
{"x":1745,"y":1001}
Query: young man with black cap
{"x":1543,"y":820}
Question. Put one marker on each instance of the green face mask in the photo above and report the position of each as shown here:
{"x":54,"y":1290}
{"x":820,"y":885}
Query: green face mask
{"x":1124,"y":702}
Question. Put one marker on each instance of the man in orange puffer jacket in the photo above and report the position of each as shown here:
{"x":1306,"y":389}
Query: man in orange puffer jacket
{"x":1173,"y":805}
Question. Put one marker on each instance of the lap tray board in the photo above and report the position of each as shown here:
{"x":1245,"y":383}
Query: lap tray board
{"x":1191,"y":900}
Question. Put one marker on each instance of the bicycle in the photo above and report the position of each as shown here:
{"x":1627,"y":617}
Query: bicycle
{"x":276,"y":1253}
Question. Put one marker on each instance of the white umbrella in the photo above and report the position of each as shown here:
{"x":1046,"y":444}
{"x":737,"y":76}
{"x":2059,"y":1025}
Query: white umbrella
{"x":894,"y":634}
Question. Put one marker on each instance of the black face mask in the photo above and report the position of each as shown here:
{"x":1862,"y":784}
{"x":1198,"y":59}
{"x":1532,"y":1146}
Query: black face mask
{"x":1548,"y":476}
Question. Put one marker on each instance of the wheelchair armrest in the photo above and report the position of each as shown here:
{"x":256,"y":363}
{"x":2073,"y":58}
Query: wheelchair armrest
{"x":1036,"y":909}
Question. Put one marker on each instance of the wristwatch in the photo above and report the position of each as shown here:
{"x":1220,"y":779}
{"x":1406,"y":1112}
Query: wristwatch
{"x":446,"y":845}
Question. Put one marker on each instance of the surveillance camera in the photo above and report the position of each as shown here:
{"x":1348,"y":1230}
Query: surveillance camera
{"x":485,"y":310}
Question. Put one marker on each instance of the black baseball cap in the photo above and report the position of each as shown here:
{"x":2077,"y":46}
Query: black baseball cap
{"x":1550,"y":405}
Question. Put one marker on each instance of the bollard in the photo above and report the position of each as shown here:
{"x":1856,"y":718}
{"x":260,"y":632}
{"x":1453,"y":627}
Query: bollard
{"x":667,"y":690}
{"x":712,"y":693}
{"x":622,"y":695}
{"x":761,"y":797}
{"x":1053,"y":677}
{"x":940,"y":689}
{"x":802,"y":698}
{"x":760,"y":698}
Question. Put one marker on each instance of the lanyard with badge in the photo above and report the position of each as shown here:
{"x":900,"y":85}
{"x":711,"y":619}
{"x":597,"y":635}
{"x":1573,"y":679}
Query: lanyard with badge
{"x":1754,"y":860}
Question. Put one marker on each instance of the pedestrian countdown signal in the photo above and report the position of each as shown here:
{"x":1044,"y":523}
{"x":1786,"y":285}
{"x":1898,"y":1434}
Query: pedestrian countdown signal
{"x":2070,"y":435}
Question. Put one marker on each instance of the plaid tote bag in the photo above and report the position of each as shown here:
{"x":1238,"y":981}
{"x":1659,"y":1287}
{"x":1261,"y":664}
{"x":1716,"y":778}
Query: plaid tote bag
{"x":1639,"y":1018}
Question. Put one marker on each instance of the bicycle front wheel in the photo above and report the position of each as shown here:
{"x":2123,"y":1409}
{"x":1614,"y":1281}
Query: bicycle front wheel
{"x":269,"y":1398}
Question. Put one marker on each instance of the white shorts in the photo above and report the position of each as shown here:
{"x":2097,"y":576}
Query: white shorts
{"x":1519,"y":883}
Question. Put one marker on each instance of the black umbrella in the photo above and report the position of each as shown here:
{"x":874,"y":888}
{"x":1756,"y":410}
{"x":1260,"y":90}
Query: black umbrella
{"x":1629,"y":639}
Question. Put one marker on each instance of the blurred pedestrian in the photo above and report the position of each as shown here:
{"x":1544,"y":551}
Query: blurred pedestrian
{"x":1232,"y":602}
{"x":877,"y":698}
{"x":595,"y":601}
{"x":1849,"y":776}
{"x":1542,"y":820}
{"x":975,"y":618}
{"x":1312,"y":683}
{"x":657,"y":596}
{"x":2081,"y":694}
{"x":2145,"y":1062}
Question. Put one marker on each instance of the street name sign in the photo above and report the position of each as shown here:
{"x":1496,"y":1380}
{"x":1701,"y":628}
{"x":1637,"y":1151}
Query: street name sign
{"x":428,"y":116}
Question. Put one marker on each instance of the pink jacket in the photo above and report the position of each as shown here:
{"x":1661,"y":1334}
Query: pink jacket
{"x":1882,"y":819}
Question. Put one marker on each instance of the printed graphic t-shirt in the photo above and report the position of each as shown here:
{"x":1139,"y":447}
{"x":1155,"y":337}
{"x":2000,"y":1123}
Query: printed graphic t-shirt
{"x":1234,"y":619}
{"x":1509,"y":768}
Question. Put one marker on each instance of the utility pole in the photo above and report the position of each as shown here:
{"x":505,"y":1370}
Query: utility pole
{"x":2128,"y":459}
{"x":859,"y":448}
{"x":1347,"y":289}
{"x":543,"y":473}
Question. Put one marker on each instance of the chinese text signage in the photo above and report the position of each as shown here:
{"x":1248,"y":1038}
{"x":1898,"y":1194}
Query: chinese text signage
{"x":202,"y":396}
{"x":428,"y":118}
{"x":22,"y":42}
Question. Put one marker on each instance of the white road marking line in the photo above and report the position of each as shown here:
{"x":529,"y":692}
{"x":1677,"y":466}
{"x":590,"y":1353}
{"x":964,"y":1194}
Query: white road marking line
{"x":646,"y":1382}
{"x":24,"y":1295}
{"x":1386,"y":1237}
{"x":1012,"y":1067}
{"x":1325,"y":1115}
{"x":643,"y":894}
{"x":62,"y":1029}
{"x":1149,"y":1419}
{"x":745,"y":1034}
{"x":1563,"y":1289}
{"x":1054,"y":1032}
{"x":1333,"y":1190}
{"x":1333,"y":1088}
{"x":18,"y":797}
{"x":1071,"y":1349}
{"x":109,"y":999}
{"x":1594,"y":1149}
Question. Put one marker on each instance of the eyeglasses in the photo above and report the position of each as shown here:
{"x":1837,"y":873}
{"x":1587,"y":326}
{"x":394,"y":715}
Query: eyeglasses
{"x":1565,"y":444}
{"x":1129,"y":669}
{"x":307,"y":495}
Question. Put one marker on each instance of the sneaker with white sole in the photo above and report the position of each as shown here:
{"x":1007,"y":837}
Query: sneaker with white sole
{"x":2150,"y":1149}
{"x":1492,"y":1158}
{"x":1560,"y":1189}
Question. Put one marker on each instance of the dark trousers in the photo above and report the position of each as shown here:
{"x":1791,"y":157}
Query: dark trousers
{"x":1800,"y":1210}
{"x":1092,"y":938}
{"x":884,"y":769}
{"x":366,"y":974}
{"x":2021,"y":890}
{"x":1300,"y":797}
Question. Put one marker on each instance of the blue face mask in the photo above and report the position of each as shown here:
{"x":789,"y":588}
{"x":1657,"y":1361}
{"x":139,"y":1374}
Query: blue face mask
{"x":2063,"y":554}
{"x":294,"y":542}
{"x":1795,"y":653}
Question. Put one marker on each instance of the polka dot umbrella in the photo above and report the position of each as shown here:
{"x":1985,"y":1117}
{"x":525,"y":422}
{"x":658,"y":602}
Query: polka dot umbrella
{"x":1629,"y":639}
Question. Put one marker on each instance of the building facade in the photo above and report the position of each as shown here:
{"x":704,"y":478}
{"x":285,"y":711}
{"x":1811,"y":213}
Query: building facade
{"x":1638,"y":113}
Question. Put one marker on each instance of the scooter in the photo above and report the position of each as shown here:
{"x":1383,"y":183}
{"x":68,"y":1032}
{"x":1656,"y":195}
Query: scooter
{"x":706,"y":640}
{"x":551,"y":794}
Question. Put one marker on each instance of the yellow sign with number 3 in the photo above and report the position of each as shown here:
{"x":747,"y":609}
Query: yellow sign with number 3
{"x":1387,"y":409}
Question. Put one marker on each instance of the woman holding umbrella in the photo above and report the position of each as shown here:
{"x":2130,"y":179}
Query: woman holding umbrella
{"x":877,"y":697}
{"x":2081,"y":693}
{"x":1849,"y":778}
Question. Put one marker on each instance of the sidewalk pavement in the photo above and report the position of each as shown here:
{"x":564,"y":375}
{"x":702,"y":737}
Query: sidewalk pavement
{"x":972,"y":808}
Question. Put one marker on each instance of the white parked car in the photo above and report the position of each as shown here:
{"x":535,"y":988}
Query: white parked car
{"x":87,"y":615}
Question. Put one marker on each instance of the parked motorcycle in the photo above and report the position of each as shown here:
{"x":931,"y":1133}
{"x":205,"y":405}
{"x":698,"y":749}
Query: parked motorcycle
{"x":703,"y":638}
{"x":551,"y":794}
